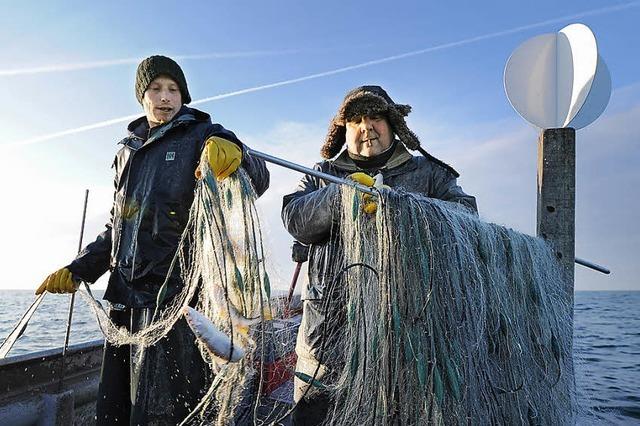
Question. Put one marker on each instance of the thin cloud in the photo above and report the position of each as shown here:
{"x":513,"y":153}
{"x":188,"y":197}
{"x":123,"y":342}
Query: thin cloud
{"x":129,"y":61}
{"x":444,"y":46}
{"x":73,"y":131}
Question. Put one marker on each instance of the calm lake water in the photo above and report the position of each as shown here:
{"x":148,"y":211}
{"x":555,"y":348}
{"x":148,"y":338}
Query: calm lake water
{"x":606,"y":345}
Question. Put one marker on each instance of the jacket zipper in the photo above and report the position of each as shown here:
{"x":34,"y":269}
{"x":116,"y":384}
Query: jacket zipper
{"x":126,"y":186}
{"x":124,"y":202}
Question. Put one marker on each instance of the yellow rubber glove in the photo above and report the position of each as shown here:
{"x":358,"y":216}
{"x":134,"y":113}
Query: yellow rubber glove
{"x":369,"y":204}
{"x":224,"y":157}
{"x":362,"y":178}
{"x":61,"y":281}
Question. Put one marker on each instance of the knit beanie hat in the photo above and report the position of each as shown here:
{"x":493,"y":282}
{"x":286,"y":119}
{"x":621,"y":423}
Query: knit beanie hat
{"x":368,"y":100}
{"x":157,"y":65}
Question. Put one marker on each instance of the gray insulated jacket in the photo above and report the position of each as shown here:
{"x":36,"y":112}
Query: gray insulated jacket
{"x":310,"y":216}
{"x":154,"y":189}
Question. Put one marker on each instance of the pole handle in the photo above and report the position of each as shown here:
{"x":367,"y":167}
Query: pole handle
{"x":592,"y":265}
{"x":308,"y":171}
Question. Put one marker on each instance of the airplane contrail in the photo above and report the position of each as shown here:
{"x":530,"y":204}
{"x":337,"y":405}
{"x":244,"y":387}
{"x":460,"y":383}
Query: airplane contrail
{"x":449,"y":45}
{"x":76,"y":66}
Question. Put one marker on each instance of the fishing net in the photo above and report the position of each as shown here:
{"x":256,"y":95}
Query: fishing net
{"x":433,"y":315}
{"x":444,"y":319}
{"x":221,"y":263}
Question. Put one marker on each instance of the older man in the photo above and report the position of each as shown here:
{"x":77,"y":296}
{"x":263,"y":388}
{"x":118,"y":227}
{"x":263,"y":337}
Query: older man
{"x":154,"y":188}
{"x":377,"y":137}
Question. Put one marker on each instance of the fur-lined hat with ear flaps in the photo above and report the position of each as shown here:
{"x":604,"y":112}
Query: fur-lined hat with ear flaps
{"x":368,"y":100}
{"x":372,"y":100}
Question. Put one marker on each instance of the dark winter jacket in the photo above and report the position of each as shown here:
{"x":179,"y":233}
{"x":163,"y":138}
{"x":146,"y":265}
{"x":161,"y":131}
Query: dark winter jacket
{"x":310,"y":216}
{"x":154,"y":190}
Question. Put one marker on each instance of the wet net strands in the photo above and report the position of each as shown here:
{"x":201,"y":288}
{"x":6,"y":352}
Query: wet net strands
{"x":435,"y":317}
{"x":221,"y":263}
{"x":465,"y":322}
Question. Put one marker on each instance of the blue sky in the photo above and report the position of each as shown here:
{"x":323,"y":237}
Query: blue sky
{"x":71,"y":64}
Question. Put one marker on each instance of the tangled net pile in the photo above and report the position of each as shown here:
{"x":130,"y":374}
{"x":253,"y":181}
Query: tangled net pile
{"x":435,"y":316}
{"x":221,"y":262}
{"x":452,"y":321}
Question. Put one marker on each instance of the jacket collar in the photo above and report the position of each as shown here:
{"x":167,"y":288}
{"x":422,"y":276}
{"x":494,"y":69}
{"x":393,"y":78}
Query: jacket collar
{"x":139,"y":128}
{"x":399,"y":157}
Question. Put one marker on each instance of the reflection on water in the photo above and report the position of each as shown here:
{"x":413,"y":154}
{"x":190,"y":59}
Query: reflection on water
{"x":607,"y":354}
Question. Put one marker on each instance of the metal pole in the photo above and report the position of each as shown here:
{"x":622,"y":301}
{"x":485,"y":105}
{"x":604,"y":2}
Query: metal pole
{"x":366,"y":189}
{"x":306,"y":170}
{"x":24,"y":321}
{"x":292,"y":287}
{"x":592,"y":265}
{"x":20,"y":327}
{"x":73,"y":295}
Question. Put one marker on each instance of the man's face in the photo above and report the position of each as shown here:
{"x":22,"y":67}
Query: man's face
{"x":368,"y":136}
{"x":162,"y":101}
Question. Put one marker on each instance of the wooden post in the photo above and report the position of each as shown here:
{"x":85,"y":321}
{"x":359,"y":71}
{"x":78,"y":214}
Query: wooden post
{"x":557,"y":195}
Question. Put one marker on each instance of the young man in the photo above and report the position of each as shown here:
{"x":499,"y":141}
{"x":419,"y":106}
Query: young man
{"x":376,"y":134}
{"x":154,"y":186}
